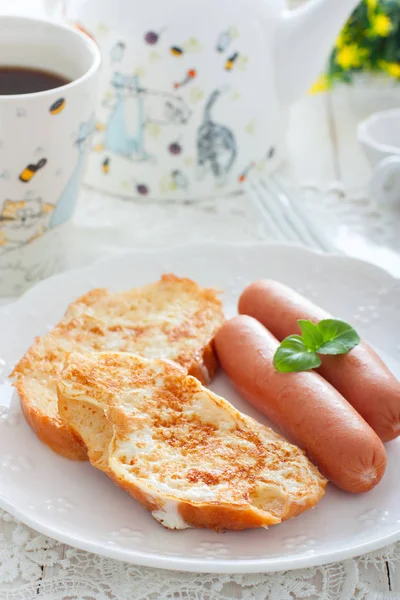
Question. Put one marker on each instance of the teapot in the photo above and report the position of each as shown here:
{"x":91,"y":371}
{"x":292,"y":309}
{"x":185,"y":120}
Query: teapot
{"x":195,"y":95}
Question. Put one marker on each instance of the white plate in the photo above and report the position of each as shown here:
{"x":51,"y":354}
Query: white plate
{"x":76,"y":504}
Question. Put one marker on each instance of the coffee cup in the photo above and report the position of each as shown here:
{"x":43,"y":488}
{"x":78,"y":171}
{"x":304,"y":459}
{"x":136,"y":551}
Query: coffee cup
{"x":48,"y":92}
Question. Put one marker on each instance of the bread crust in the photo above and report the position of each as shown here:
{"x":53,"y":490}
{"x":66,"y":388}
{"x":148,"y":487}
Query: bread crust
{"x":51,"y":431}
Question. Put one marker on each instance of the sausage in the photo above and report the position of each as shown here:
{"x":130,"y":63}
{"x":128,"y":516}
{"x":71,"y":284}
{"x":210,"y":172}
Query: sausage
{"x":360,"y":376}
{"x":304,"y":406}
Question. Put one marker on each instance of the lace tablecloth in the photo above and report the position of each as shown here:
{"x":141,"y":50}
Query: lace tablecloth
{"x":33,"y":566}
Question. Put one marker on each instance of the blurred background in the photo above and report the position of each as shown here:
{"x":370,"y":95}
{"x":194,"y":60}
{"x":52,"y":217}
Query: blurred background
{"x":326,"y":167}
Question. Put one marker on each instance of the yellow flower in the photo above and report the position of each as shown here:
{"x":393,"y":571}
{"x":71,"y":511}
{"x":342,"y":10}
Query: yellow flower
{"x":392,"y":69}
{"x":340,"y":42}
{"x":350,"y":56}
{"x":321,"y":85}
{"x":371,"y":8}
{"x":381,"y":25}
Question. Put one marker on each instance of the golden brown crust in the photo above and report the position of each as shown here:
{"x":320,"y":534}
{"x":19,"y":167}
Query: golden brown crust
{"x":224,"y":517}
{"x":145,"y":500}
{"x":98,"y":318}
{"x":219,"y":517}
{"x":53,"y":432}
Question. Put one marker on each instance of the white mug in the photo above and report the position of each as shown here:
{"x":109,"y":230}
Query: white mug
{"x":44,"y":138}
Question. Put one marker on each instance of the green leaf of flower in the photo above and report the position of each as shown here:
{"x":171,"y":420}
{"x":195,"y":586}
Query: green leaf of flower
{"x":293,"y":356}
{"x":338,"y":337}
{"x":312,"y":337}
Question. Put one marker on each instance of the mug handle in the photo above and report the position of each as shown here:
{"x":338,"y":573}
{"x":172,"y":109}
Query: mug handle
{"x":385,"y":182}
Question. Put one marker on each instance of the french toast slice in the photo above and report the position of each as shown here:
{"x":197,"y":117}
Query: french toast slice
{"x":173,"y":318}
{"x":187,"y":455}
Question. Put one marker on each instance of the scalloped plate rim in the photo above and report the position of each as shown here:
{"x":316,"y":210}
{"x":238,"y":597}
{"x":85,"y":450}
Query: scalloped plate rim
{"x":214,"y":565}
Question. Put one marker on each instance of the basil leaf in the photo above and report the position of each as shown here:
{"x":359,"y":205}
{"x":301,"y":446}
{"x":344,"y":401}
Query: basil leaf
{"x":338,"y":337}
{"x":311,"y":335}
{"x":293,"y":356}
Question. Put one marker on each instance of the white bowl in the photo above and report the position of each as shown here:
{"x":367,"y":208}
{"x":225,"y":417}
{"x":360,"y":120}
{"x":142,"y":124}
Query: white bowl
{"x":379,"y":136}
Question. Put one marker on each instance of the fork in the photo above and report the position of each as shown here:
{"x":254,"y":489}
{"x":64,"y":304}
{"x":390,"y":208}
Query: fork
{"x":282,"y":215}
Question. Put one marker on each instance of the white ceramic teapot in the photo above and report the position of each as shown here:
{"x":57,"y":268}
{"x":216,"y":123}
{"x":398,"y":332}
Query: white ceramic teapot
{"x":195,"y":93}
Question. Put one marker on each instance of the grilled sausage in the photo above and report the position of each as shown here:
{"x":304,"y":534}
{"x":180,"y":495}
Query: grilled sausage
{"x":360,"y":376}
{"x":303,"y":405}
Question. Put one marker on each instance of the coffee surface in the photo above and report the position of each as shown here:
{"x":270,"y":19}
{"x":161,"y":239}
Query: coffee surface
{"x":23,"y":80}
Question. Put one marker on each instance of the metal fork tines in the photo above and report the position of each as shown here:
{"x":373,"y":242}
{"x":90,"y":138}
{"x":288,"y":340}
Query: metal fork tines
{"x":282,"y":215}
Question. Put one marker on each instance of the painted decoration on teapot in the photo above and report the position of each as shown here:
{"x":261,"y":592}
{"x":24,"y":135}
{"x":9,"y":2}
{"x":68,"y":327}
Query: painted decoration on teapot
{"x":165,"y":127}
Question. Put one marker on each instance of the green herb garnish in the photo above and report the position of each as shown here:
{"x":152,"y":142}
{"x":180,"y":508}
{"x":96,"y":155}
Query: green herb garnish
{"x":300,"y":352}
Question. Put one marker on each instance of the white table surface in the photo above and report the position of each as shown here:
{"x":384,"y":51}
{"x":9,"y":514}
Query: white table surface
{"x":329,"y":172}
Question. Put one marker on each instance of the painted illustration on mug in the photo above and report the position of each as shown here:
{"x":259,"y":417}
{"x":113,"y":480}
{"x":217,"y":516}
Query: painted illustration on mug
{"x":57,"y":107}
{"x":22,"y":221}
{"x":65,"y":204}
{"x":216,"y":143}
{"x":30,"y":170}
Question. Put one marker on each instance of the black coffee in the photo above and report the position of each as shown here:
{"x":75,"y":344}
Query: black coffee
{"x":23,"y":80}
